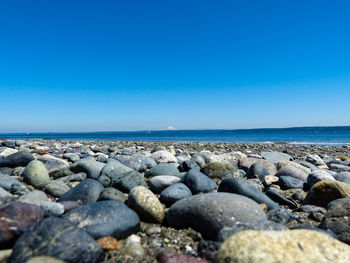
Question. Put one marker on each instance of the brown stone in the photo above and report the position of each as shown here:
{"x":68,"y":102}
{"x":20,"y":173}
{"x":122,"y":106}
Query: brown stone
{"x":180,"y":258}
{"x":15,"y":218}
{"x":324,"y":192}
{"x":109,"y":243}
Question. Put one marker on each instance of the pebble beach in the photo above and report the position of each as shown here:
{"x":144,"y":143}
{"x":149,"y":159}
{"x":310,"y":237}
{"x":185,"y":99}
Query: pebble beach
{"x":111,"y":201}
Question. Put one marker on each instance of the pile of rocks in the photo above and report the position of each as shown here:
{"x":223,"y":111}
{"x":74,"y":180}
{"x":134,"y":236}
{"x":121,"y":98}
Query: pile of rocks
{"x":65,"y":201}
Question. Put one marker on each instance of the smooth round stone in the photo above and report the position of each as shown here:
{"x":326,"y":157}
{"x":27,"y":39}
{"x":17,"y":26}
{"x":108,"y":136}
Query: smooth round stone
{"x":77,"y":177}
{"x":339,"y":167}
{"x":110,"y":193}
{"x":21,"y":158}
{"x":163,"y":157}
{"x":337,"y":219}
{"x":133,"y":247}
{"x":314,"y":159}
{"x":236,"y":227}
{"x":53,"y":163}
{"x":15,"y":218}
{"x":57,"y":188}
{"x":4,"y":151}
{"x":86,"y":192}
{"x":35,"y":197}
{"x":198,"y":182}
{"x":188,"y":165}
{"x":160,"y":182}
{"x":317,"y":176}
{"x":163,"y":169}
{"x":199,"y":160}
{"x":245,"y":163}
{"x":146,"y":204}
{"x":105,"y":218}
{"x":209,"y":213}
{"x":218,"y":170}
{"x":324,"y":192}
{"x":52,"y":209}
{"x":343,"y":177}
{"x":174,"y":193}
{"x":128,"y":181}
{"x":4,"y":193}
{"x":36,"y":174}
{"x":72,"y":157}
{"x":89,"y":166}
{"x":56,"y":237}
{"x":292,"y":171}
{"x":292,"y":246}
{"x":276,"y":157}
{"x":288,"y":182}
{"x":44,"y":259}
{"x":281,"y":164}
{"x":241,"y":187}
{"x":61,"y":173}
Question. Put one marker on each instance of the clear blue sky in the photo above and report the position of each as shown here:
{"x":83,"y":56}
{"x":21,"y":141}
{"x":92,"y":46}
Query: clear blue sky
{"x":140,"y":65}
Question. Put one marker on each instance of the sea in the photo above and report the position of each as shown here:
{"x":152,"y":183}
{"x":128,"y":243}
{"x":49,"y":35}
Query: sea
{"x":339,"y":135}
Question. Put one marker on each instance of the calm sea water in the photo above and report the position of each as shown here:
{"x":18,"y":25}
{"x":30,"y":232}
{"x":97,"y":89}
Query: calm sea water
{"x":304,"y":135}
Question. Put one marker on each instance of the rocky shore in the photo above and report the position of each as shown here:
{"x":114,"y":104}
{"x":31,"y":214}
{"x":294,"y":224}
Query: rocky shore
{"x":81,"y":201}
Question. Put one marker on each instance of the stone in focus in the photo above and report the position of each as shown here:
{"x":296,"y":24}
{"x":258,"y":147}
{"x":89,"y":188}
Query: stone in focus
{"x":36,"y":174}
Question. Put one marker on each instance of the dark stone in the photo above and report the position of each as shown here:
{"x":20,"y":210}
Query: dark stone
{"x":280,"y":215}
{"x":315,"y":212}
{"x":188,"y":165}
{"x":61,"y":173}
{"x":53,"y":164}
{"x":198,"y":182}
{"x":58,"y":238}
{"x":128,"y":181}
{"x":275,"y":196}
{"x":288,"y":182}
{"x":21,"y":158}
{"x":10,"y":144}
{"x":69,"y":205}
{"x":337,"y":219}
{"x":105,"y":218}
{"x":87,"y":192}
{"x":113,"y":170}
{"x":209,"y":213}
{"x":163,"y":169}
{"x":16,"y":218}
{"x":257,"y":170}
{"x":174,"y":193}
{"x":255,"y":225}
{"x":207,"y":249}
{"x":241,"y":187}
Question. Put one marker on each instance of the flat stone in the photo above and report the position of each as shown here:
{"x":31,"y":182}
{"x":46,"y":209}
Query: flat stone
{"x":16,"y":218}
{"x":139,"y":163}
{"x":54,"y":236}
{"x":198,"y":182}
{"x":21,"y":158}
{"x":314,"y":159}
{"x":5,"y":151}
{"x":281,"y":164}
{"x":276,"y":157}
{"x":288,"y":182}
{"x":324,"y":192}
{"x":113,"y":170}
{"x":86,"y":192}
{"x":339,"y":168}
{"x":343,"y":177}
{"x":146,"y":204}
{"x":241,"y":187}
{"x":275,"y":196}
{"x":53,"y":163}
{"x":160,"y":182}
{"x":293,"y":246}
{"x":105,"y":218}
{"x":209,"y":213}
{"x":317,"y":176}
{"x":111,"y":193}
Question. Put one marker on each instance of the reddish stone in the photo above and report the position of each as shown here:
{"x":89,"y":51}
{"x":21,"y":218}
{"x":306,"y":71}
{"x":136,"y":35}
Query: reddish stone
{"x":181,"y":258}
{"x":15,"y":218}
{"x":109,"y":243}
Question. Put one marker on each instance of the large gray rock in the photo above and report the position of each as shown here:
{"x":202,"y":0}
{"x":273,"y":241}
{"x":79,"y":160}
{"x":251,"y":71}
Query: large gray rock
{"x":163,"y":169}
{"x":318,"y":175}
{"x":105,"y":218}
{"x":53,"y":163}
{"x":160,"y":182}
{"x":163,"y":157}
{"x":276,"y":157}
{"x":87,"y":192}
{"x":209,"y":213}
{"x":57,"y":188}
{"x":21,"y":158}
{"x":241,"y":187}
{"x":198,"y":182}
{"x":113,"y":170}
{"x":245,"y":163}
{"x":218,"y":170}
{"x":343,"y":177}
{"x":36,"y":197}
{"x":174,"y":193}
{"x":128,"y":181}
{"x":139,"y":163}
{"x":88,"y":166}
{"x":36,"y":174}
{"x":56,"y":237}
